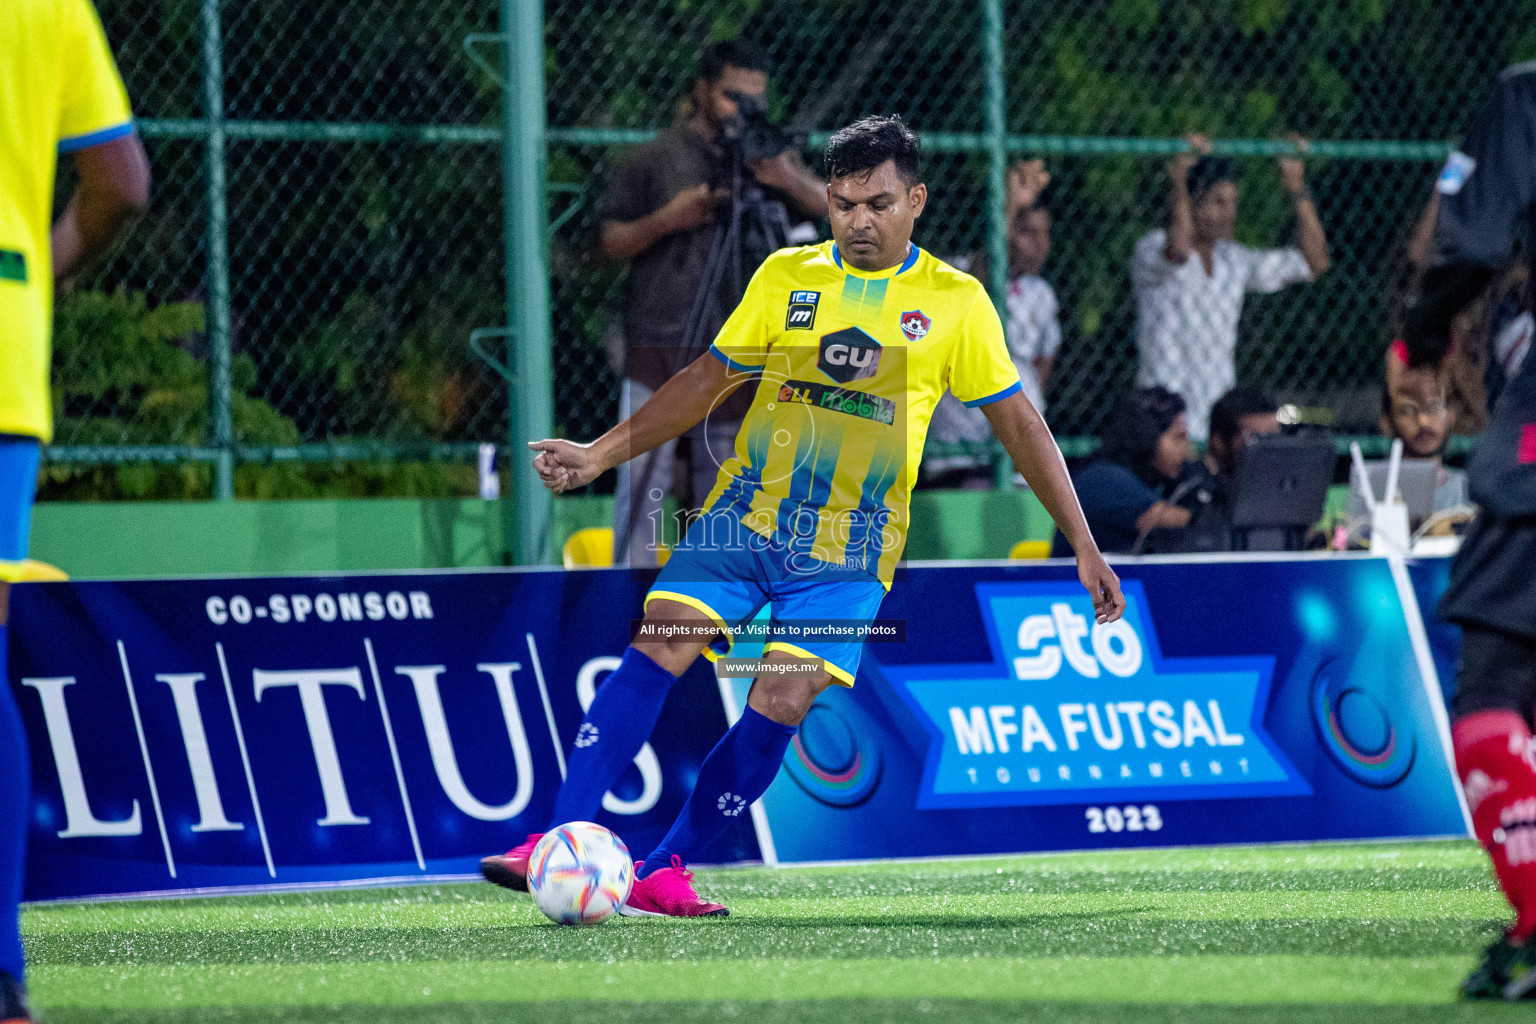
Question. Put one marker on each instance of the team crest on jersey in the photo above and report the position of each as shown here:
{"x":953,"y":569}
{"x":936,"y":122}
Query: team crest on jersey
{"x":914,"y":325}
{"x":802,"y":311}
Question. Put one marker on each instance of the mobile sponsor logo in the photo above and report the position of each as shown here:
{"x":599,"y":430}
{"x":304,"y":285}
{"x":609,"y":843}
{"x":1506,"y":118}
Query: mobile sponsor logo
{"x":843,"y":400}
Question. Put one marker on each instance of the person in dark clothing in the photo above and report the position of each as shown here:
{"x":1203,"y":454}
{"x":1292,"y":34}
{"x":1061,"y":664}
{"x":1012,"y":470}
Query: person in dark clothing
{"x":1144,"y":454}
{"x":658,"y":213}
{"x":1488,"y":190}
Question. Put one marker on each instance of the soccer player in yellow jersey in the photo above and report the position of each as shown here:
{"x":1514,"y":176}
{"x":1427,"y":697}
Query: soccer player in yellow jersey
{"x":59,"y":93}
{"x":852,"y":344}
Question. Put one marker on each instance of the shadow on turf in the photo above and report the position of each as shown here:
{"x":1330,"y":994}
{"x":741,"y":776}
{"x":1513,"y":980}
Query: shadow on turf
{"x":808,"y":1012}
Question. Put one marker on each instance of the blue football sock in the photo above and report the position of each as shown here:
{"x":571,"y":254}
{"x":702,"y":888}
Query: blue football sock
{"x":736,"y":772}
{"x":617,"y":725}
{"x":15,"y":795}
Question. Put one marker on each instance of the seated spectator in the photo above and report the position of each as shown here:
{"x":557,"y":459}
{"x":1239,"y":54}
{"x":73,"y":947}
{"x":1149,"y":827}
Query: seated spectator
{"x":1144,"y":455}
{"x":1414,"y":408}
{"x":1033,"y":330}
{"x":1190,"y":277}
{"x":1208,"y":489}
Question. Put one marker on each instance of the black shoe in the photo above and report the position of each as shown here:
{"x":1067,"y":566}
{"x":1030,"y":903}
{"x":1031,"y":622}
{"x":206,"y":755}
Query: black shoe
{"x":13,"y":1000}
{"x":1521,"y":973}
{"x":1487,"y":981}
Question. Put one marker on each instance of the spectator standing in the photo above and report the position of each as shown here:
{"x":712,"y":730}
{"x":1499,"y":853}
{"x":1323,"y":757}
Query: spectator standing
{"x":1190,"y":276}
{"x":1033,"y":326}
{"x":658,"y":214}
{"x":1144,"y":455}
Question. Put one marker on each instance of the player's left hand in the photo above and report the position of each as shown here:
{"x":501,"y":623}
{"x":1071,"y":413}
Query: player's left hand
{"x":1102,"y":585}
{"x":1292,"y":174}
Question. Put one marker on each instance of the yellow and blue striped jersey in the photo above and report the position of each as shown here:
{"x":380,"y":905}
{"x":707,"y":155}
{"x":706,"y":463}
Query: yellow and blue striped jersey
{"x":852,"y":365}
{"x":59,"y":92}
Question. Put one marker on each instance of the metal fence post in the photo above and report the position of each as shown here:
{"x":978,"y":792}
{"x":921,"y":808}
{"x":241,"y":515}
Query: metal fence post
{"x":524,"y":158}
{"x":994,"y":100}
{"x":997,"y":151}
{"x":217,"y":309}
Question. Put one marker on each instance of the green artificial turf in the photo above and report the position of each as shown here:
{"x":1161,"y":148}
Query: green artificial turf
{"x":1377,"y":932}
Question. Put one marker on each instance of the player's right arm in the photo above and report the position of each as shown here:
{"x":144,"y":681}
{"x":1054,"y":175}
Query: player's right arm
{"x":982,"y":374}
{"x":113,"y":192}
{"x":737,"y":354}
{"x":1484,"y":190}
{"x":96,"y":126}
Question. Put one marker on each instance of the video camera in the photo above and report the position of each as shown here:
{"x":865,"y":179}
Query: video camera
{"x":750,"y":132}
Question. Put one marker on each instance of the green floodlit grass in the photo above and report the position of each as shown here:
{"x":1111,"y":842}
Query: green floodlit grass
{"x":1363,"y":932}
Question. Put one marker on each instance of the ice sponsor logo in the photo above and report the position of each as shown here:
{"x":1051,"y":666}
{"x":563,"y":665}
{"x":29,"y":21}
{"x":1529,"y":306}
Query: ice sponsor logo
{"x":843,"y":400}
{"x":915,"y":325}
{"x":1072,"y":711}
{"x":1458,"y":168}
{"x":801,"y":315}
{"x":849,"y":355}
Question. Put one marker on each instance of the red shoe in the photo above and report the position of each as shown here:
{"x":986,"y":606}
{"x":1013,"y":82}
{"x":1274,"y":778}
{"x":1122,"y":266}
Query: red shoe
{"x":668,"y":892}
{"x":510,"y":869}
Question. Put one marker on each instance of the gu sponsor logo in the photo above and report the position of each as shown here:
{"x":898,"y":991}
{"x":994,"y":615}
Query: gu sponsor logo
{"x":843,"y":400}
{"x":849,"y":355}
{"x":801,"y":315}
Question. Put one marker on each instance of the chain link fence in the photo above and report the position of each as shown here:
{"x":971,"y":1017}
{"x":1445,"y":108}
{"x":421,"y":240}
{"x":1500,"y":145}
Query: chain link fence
{"x":327,"y":223}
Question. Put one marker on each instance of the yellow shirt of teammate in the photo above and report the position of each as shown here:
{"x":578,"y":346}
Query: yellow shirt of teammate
{"x":59,"y":92}
{"x":852,"y":366}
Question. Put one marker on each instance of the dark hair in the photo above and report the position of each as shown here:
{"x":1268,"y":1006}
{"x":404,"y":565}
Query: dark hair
{"x":1134,"y":427}
{"x":731,"y":53}
{"x":1228,"y":412}
{"x":1207,"y":172}
{"x":870,"y":142}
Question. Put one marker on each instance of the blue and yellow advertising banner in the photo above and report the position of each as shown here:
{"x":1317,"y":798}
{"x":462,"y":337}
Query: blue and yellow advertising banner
{"x":227,"y":733}
{"x":1239,"y":701}
{"x":195,"y":734}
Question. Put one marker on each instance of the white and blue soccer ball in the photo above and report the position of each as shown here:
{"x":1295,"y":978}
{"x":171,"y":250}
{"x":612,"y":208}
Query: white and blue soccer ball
{"x":580,"y":873}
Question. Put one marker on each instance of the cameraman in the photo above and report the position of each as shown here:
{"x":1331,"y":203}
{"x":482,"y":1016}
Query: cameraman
{"x":658,"y":213}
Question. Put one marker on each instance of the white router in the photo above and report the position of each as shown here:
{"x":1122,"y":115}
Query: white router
{"x":1389,"y":516}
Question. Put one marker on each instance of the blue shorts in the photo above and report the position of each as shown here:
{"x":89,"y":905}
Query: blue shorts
{"x":18,"y":485}
{"x":729,"y":572}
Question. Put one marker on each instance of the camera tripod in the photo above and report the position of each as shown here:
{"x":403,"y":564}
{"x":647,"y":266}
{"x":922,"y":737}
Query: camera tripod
{"x":754,"y":225}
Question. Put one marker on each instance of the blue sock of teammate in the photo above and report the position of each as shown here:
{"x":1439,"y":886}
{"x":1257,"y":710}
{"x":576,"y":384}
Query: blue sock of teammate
{"x":617,"y":725}
{"x":736,"y":772}
{"x":15,"y":794}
